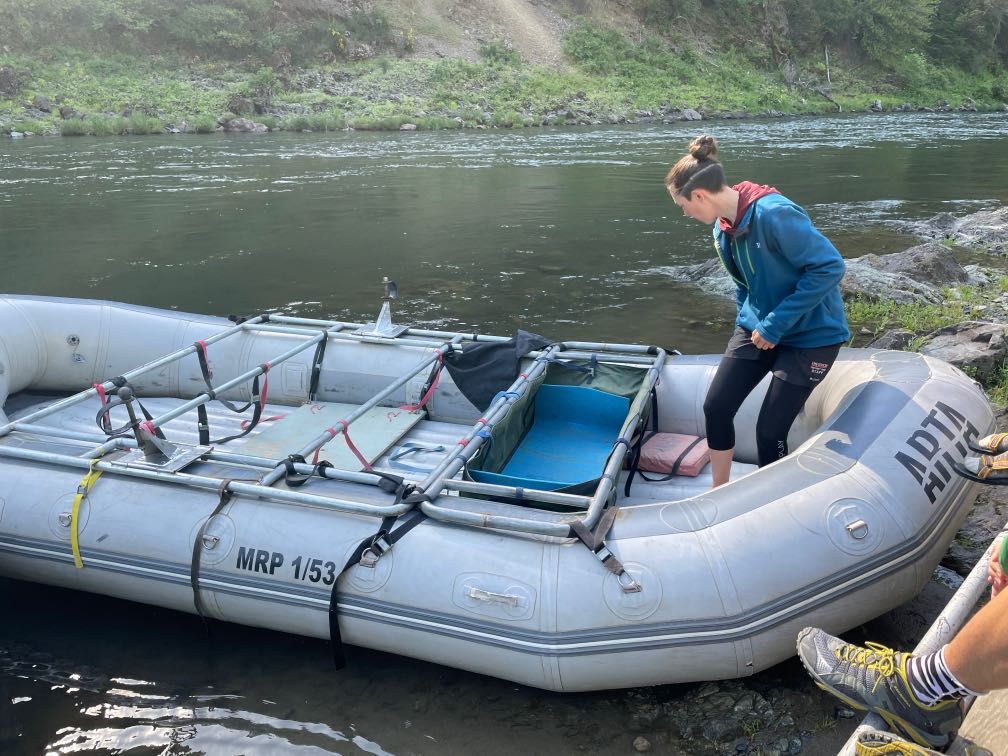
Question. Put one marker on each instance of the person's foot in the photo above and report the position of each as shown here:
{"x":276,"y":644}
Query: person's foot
{"x":876,"y":743}
{"x":987,"y":468}
{"x":996,"y":443}
{"x":874,"y":679}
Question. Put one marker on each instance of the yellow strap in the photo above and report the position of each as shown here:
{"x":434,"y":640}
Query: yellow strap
{"x":82,"y":491}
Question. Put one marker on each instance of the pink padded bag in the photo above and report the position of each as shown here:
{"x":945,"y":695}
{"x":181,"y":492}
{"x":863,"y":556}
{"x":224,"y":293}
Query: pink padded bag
{"x":674,"y":454}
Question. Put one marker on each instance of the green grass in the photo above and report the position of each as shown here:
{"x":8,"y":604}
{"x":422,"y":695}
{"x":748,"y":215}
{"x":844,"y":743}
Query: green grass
{"x":957,"y":304}
{"x":73,"y":128}
{"x":611,"y":77}
{"x":142,"y":124}
{"x":203,"y":124}
{"x":752,"y":727}
{"x":827,"y":723}
{"x":997,"y":388}
{"x":881,"y":316}
{"x":36,"y":126}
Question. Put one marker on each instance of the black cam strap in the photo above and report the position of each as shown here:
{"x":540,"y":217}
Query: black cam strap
{"x":675,"y":465}
{"x":103,"y":418}
{"x":643,"y":436}
{"x":316,"y":369}
{"x":375,"y":545}
{"x":194,"y":570}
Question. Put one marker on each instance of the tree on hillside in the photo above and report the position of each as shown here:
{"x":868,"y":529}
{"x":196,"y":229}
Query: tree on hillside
{"x":971,"y":33}
{"x":882,"y":29}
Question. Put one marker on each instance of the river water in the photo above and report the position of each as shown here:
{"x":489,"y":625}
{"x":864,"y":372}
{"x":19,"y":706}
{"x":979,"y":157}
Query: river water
{"x":565,"y":232}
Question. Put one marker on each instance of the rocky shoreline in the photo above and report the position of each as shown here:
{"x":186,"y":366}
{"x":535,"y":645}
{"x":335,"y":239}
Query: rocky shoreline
{"x":298,"y":99}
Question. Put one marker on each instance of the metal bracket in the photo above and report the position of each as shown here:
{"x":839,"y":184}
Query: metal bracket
{"x":181,"y":456}
{"x":383,"y":325}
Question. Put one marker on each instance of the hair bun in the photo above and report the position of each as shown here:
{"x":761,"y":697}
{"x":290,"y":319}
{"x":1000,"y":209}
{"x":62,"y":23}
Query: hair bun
{"x":704,"y":147}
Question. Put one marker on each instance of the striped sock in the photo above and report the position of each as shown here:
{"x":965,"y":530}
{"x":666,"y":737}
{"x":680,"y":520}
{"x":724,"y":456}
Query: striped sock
{"x":931,"y":681}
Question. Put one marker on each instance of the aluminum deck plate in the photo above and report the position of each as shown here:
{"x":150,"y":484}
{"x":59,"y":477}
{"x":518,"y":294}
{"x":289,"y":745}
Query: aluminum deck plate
{"x":372,"y":433}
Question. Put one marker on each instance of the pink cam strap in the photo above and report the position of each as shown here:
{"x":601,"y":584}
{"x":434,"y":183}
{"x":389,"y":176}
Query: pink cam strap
{"x":349,"y":442}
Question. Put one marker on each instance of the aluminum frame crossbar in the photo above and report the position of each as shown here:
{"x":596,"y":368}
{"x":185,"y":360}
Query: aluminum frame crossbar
{"x":440,"y":484}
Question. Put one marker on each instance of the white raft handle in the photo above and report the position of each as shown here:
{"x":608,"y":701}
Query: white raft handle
{"x":858,"y":530}
{"x":507,"y":599}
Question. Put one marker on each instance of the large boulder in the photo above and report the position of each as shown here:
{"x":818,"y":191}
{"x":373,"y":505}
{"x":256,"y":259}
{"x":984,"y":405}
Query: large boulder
{"x":240,"y":105}
{"x":864,"y":280}
{"x":976,"y":347}
{"x":987,"y":229}
{"x":709,"y":275}
{"x":932,"y":263}
{"x":244,"y":125}
{"x":898,"y":338}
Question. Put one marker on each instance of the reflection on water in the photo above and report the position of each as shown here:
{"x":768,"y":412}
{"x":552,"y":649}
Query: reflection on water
{"x":88,"y":674}
{"x":564,"y":232}
{"x":62,"y":693}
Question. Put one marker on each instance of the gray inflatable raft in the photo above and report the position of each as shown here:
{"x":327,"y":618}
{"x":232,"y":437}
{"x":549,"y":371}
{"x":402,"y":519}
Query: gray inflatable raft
{"x":401,"y":545}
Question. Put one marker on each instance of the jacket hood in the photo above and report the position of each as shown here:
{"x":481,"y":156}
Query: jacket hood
{"x":749,"y":192}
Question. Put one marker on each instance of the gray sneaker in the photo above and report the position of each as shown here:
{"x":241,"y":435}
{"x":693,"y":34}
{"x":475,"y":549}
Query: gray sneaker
{"x":873,"y":678}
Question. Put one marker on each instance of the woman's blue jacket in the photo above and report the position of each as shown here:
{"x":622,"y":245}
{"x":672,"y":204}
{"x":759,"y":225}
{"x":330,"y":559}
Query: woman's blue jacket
{"x":787,"y":275}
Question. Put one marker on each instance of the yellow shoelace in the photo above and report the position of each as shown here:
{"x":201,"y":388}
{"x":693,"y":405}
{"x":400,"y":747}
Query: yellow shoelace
{"x":875,"y":656}
{"x":989,"y":464}
{"x":993,"y":442}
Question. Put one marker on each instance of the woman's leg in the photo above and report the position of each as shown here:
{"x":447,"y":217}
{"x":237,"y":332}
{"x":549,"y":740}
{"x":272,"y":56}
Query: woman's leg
{"x":796,"y":373}
{"x":720,"y":465}
{"x":781,"y":406}
{"x":733,"y":382}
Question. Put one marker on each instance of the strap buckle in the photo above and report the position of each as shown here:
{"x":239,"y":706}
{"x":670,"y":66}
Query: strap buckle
{"x":626,"y":581}
{"x":376,"y":549}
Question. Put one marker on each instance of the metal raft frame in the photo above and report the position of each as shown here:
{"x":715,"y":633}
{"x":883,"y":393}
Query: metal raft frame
{"x":435,"y":486}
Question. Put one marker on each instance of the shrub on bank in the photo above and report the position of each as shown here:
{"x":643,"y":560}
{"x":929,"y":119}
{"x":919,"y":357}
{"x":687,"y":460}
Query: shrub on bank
{"x":379,"y":123}
{"x":203,"y":124}
{"x":143,"y":124}
{"x":500,"y":53}
{"x":327,"y":122}
{"x":32,"y":126}
{"x":73,"y":128}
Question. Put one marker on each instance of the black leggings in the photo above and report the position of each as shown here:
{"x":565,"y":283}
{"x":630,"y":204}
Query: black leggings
{"x":734,"y":381}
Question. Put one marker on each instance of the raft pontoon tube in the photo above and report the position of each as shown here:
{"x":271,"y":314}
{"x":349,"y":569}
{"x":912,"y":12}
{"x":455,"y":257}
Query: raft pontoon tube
{"x":499,"y":541}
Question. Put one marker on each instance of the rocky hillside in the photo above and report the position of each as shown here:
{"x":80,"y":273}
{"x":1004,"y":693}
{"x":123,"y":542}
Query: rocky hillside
{"x":104,"y":67}
{"x":461,"y":29}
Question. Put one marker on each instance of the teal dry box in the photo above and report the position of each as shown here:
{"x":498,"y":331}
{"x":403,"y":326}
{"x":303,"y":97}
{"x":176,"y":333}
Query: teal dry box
{"x":571,"y":435}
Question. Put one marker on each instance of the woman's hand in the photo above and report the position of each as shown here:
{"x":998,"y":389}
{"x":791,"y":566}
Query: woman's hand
{"x":758,"y":340}
{"x":995,"y":575}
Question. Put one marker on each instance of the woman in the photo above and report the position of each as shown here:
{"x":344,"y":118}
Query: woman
{"x":791,"y":318}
